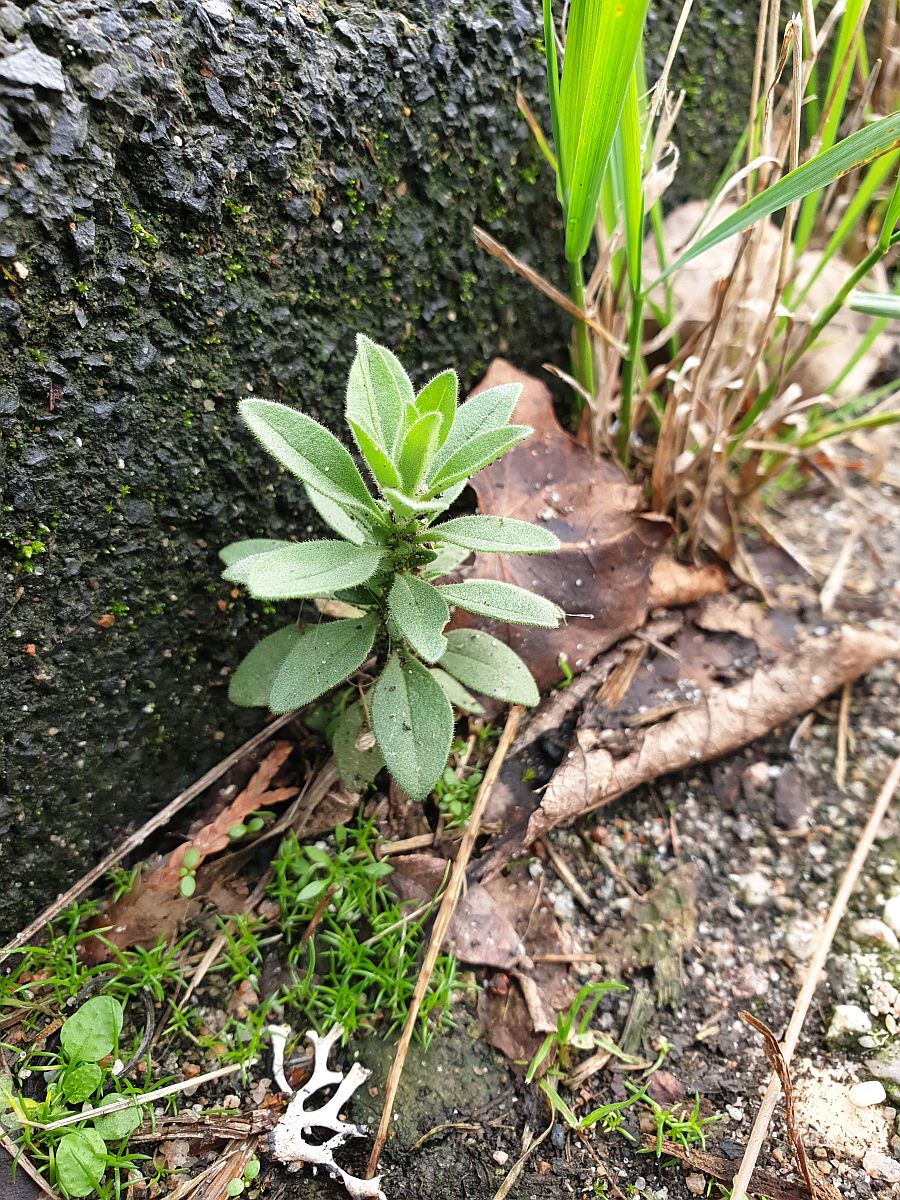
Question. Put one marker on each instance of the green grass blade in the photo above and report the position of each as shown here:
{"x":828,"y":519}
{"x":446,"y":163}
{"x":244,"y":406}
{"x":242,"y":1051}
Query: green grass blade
{"x":553,"y":97}
{"x":875,"y":304}
{"x":629,"y":175}
{"x":601,"y":45}
{"x":854,"y":214}
{"x":881,"y":137}
{"x":845,"y":51}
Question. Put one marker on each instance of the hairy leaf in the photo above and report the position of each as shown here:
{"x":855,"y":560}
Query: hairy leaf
{"x":417,"y":450}
{"x":308,"y":569}
{"x":310,"y":452}
{"x":235,"y":551}
{"x":377,"y":460}
{"x":488,"y":666}
{"x":358,"y":757}
{"x":476,"y":453}
{"x":406,"y":506}
{"x":251,"y":684}
{"x":503,"y":535}
{"x":446,"y":560}
{"x":324,"y":656}
{"x":378,"y":391}
{"x":488,"y":409}
{"x":413,"y":724}
{"x":420,"y":614}
{"x":356,"y":529}
{"x":502,"y":602}
{"x":439,"y":395}
{"x":459,"y":696}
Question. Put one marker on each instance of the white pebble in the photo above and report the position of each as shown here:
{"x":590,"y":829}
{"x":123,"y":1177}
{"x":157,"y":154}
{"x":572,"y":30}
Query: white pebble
{"x":870,"y":1092}
{"x":870,"y":929}
{"x":891,"y":914}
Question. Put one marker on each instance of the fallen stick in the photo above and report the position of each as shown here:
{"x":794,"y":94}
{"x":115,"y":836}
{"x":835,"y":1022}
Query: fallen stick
{"x":723,"y":720}
{"x":162,"y":818}
{"x":811,"y":980}
{"x":170,"y":1089}
{"x":439,"y":930}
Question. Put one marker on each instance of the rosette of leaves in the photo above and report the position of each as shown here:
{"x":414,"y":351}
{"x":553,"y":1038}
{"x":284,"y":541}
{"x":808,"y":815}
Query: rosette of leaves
{"x":394,"y":545}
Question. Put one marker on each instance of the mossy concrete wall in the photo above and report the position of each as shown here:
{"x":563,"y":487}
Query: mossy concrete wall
{"x":199,"y":200}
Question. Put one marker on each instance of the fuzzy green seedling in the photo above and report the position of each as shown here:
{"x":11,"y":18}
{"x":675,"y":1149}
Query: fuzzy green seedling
{"x":386,"y":565}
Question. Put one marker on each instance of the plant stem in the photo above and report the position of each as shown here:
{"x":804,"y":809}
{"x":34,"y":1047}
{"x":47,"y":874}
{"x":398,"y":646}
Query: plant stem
{"x":583,"y":356}
{"x":623,"y":433}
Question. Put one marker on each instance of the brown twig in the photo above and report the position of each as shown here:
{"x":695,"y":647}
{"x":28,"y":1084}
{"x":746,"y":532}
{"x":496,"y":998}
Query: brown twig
{"x":439,"y":930}
{"x":161,"y":819}
{"x":760,"y":1126}
{"x":506,"y":256}
{"x":843,"y":731}
{"x":133,"y":1101}
{"x":519,"y":1165}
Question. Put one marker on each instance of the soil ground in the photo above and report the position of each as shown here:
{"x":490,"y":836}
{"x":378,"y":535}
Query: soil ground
{"x":768,"y":833}
{"x":761,"y":891}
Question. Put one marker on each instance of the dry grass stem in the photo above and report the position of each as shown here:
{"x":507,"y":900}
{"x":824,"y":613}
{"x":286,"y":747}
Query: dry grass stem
{"x":441,"y":925}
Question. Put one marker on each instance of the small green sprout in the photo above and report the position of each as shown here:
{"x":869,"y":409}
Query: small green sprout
{"x":187,"y":872}
{"x":387,"y":564}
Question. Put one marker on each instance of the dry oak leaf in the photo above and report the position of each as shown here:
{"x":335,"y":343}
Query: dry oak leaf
{"x":601,"y":575}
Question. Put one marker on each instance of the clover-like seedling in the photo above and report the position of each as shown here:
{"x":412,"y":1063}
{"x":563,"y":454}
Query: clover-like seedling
{"x":386,"y":566}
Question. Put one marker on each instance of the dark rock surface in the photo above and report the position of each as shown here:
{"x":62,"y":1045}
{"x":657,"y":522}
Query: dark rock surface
{"x":199,"y":200}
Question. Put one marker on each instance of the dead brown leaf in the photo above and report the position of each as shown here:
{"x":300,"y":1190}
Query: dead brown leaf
{"x":601,"y":576}
{"x":210,"y":836}
{"x":515,"y":1022}
{"x":673,"y":584}
{"x":605,"y":763}
{"x":154,"y":908}
{"x":480,"y":933}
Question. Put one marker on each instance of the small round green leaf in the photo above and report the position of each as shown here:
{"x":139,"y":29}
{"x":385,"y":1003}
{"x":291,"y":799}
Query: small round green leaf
{"x":488,"y":666}
{"x":324,"y":656}
{"x":80,"y":1162}
{"x":115,"y":1126}
{"x":187,"y":886}
{"x":93,"y":1030}
{"x":413,"y":724}
{"x":251,"y":684}
{"x":502,"y":602}
{"x":80,"y":1081}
